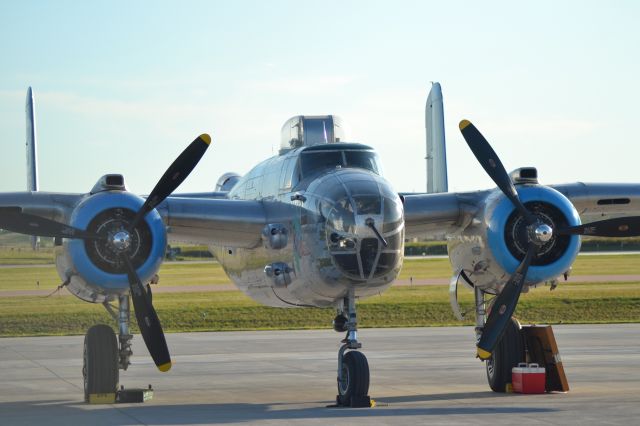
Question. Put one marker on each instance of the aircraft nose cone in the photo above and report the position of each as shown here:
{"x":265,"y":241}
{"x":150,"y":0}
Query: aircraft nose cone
{"x":365,"y":226}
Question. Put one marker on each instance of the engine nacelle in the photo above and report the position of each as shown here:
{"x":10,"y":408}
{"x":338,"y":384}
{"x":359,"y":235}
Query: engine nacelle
{"x":490,"y":249}
{"x":94,"y":269}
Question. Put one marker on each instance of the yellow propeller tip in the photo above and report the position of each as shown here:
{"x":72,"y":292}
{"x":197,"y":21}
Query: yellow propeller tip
{"x":464,"y":123}
{"x":206,"y":138}
{"x":165,"y":367}
{"x":483,"y":355}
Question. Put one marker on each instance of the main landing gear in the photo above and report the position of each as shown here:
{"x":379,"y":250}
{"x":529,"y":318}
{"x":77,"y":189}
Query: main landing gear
{"x":508,"y":352}
{"x":353,"y":368}
{"x":104,"y":355}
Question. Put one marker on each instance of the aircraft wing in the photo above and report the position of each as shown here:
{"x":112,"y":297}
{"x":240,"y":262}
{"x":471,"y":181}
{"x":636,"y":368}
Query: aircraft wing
{"x":595,"y":201}
{"x":234,"y":223}
{"x":207,"y":195}
{"x":435,"y":216}
{"x":50,"y":205}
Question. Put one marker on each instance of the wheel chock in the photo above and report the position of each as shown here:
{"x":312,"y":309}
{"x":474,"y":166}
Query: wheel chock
{"x":102,"y":398}
{"x":134,"y":395}
{"x":122,"y":396}
{"x":354,"y":402}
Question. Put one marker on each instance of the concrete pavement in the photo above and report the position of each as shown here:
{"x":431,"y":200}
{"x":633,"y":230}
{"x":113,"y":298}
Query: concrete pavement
{"x":418,"y":376}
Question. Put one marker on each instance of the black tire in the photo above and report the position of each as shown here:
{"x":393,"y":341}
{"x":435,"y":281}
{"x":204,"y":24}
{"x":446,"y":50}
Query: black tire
{"x":507,"y":354}
{"x":355,"y":371}
{"x":100,"y":361}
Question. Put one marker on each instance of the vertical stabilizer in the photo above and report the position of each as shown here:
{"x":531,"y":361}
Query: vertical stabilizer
{"x":32,"y":156}
{"x":436,"y":146}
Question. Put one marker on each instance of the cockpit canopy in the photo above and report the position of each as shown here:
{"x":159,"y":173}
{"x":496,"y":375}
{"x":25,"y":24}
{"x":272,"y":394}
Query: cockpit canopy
{"x":310,"y":130}
{"x":318,"y":158}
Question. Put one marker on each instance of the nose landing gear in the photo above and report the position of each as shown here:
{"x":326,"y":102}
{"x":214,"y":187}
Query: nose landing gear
{"x":353,"y":368}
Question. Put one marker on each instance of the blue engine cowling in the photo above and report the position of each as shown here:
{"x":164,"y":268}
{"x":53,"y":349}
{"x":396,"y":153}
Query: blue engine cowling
{"x":94,"y":269}
{"x":490,"y":249}
{"x":549,"y":205}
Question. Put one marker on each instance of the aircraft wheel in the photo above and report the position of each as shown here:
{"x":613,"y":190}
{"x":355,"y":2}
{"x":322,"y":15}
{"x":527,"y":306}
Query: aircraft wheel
{"x":507,"y":354}
{"x":100,"y":361}
{"x":355,"y":386}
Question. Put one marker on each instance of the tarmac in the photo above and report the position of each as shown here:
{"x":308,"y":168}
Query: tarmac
{"x":418,"y":376}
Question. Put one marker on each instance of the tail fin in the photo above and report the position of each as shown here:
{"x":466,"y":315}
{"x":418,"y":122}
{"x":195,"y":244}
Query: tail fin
{"x":32,"y":156}
{"x":436,"y":146}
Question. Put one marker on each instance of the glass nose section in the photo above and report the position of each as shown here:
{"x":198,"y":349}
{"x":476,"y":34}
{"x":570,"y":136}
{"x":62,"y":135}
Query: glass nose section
{"x":356,"y":248}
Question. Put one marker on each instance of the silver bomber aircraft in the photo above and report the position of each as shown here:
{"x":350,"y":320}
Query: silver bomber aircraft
{"x":317,"y":226}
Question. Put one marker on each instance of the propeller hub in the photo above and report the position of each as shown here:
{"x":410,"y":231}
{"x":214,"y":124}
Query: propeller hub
{"x":106,"y":253}
{"x":121,"y":240}
{"x":542,"y":233}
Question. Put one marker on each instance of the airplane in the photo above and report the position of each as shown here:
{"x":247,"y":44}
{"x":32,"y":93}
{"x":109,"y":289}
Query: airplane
{"x":317,"y":225}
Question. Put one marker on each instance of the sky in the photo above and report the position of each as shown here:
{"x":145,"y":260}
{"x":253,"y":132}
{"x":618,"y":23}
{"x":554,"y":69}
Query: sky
{"x":123,"y":87}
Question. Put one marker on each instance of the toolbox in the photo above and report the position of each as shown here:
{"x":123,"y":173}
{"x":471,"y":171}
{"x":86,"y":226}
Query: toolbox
{"x":528,"y":378}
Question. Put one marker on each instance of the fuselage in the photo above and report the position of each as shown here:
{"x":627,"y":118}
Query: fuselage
{"x":344,"y":229}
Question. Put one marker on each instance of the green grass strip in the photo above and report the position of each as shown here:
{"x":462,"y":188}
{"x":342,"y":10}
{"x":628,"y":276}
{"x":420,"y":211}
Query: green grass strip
{"x":399,"y":307}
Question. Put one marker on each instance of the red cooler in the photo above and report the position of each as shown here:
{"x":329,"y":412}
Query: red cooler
{"x":528,"y":378}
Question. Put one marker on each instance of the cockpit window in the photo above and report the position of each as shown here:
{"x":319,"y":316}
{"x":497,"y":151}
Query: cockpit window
{"x":313,"y":162}
{"x":362,"y":159}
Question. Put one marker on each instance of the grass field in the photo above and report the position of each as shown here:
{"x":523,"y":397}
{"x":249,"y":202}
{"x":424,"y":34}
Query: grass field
{"x":210,"y":272}
{"x":398,"y":307}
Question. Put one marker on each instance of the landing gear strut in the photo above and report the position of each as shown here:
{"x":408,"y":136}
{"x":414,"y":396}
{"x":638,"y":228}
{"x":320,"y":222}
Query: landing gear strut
{"x":353,"y":368}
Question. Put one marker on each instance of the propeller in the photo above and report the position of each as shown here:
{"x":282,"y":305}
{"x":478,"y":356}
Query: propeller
{"x":490,"y":162}
{"x":146,"y":315}
{"x":618,"y":227}
{"x":174,"y":176}
{"x":504,"y":306}
{"x":539,"y":233}
{"x":148,"y":320}
{"x":14,"y":219}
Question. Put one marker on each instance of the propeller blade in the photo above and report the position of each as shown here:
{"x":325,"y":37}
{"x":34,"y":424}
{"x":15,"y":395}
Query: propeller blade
{"x":14,"y":220}
{"x":490,"y":162}
{"x":504,"y":306}
{"x":618,"y":227}
{"x":174,"y":176}
{"x":148,"y":321}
